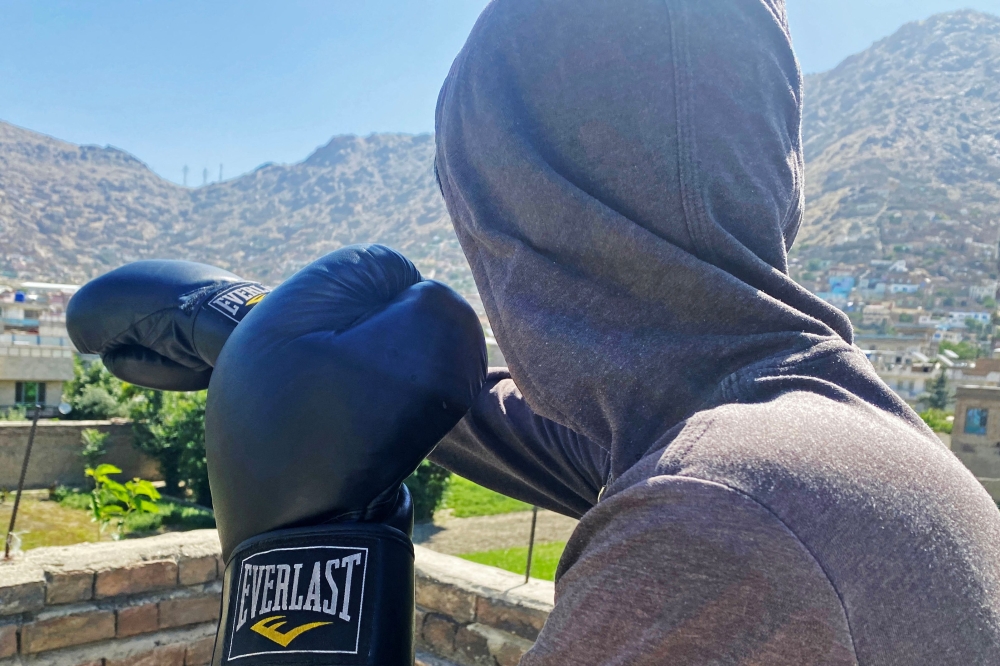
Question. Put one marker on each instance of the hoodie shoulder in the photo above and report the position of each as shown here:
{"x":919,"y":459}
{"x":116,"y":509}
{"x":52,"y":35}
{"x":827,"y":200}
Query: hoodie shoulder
{"x":905,"y":533}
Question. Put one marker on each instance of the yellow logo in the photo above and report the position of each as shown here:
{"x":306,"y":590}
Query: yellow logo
{"x":256,"y":299}
{"x":269,"y":630}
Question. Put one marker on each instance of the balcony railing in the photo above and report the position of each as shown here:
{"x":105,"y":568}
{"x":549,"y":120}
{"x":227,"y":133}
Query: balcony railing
{"x":16,"y":339}
{"x":20,"y":323}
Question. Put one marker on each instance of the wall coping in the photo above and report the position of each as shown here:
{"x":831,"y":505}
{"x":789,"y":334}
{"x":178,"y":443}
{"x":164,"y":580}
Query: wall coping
{"x":105,"y":604}
{"x":56,"y":423}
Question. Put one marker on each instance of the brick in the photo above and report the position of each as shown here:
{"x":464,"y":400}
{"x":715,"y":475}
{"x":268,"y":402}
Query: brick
{"x":438,"y":633}
{"x":515,"y":618}
{"x":165,"y":655}
{"x":66,"y":630}
{"x":134,"y":620}
{"x":199,"y":653}
{"x":24,"y":598}
{"x":141,"y":577}
{"x":446,"y":599}
{"x":68,"y":587}
{"x":509,"y":653}
{"x":189,"y":610}
{"x":197,"y":570}
{"x":418,"y":621}
{"x":479,"y":644}
{"x":472,"y":647}
{"x":8,"y":640}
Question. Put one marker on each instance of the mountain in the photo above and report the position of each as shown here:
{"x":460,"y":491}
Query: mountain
{"x":903,"y":162}
{"x":70,"y":212}
{"x":902,"y":148}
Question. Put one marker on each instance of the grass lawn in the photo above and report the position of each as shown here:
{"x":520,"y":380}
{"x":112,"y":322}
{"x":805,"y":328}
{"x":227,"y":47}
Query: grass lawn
{"x":543,"y":565}
{"x":49,"y":522}
{"x":466,"y":499}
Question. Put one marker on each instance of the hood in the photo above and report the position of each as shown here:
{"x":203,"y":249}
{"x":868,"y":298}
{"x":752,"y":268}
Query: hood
{"x":625,"y":179}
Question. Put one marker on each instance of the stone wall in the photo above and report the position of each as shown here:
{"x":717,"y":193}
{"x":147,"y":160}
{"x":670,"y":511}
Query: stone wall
{"x":155,"y":601}
{"x":55,"y":456}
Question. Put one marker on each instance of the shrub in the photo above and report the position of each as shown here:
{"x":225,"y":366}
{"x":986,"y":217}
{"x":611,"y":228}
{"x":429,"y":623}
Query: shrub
{"x":170,"y":427}
{"x":427,"y":486}
{"x":93,"y":393}
{"x":938,"y":420}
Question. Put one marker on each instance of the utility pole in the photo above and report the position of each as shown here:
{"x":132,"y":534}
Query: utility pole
{"x":220,"y":172}
{"x":185,"y":175}
{"x":204,"y":176}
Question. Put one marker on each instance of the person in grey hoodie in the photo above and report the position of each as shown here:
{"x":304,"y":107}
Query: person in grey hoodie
{"x":626,"y":179}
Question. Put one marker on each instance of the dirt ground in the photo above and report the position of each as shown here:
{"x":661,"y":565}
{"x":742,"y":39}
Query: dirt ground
{"x":471,"y":535}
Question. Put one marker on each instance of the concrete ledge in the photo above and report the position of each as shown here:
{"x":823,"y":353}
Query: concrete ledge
{"x":154,"y":601}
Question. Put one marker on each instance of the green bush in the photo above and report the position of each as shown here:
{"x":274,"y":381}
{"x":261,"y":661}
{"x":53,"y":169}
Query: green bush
{"x":937,"y":420}
{"x":170,"y":427}
{"x":427,"y":485}
{"x":93,"y":393}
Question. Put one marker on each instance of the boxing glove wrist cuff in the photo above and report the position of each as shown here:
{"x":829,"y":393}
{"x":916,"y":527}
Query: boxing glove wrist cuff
{"x":219,"y":313}
{"x":331,"y":594}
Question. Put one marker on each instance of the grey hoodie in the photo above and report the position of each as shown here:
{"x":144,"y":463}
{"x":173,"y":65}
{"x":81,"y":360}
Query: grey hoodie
{"x":626,"y":179}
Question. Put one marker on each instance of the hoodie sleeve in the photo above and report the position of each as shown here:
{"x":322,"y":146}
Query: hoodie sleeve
{"x":684,"y":572}
{"x":503,"y":445}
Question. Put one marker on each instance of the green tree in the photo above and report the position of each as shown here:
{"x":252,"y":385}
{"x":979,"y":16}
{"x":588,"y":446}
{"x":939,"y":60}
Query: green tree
{"x":427,"y":485}
{"x":94,"y":393}
{"x":964,"y":350}
{"x":938,"y":398}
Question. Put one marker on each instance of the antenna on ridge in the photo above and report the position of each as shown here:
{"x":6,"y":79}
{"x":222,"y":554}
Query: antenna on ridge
{"x":204,"y":176}
{"x":185,"y":175}
{"x":220,"y":172}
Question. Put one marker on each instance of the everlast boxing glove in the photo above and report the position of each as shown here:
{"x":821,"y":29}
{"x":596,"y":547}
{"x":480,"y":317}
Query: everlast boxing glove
{"x":324,"y":399}
{"x":160,"y":324}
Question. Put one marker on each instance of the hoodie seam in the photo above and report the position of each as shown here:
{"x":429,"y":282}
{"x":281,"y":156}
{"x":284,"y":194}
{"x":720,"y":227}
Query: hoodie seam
{"x":819,"y":564}
{"x":681,"y":91}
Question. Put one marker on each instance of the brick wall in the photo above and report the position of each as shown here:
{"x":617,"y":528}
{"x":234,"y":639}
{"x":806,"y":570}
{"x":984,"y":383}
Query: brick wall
{"x":55,"y":456}
{"x":155,"y":601}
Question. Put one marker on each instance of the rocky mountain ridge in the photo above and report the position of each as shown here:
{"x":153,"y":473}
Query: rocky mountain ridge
{"x":903,"y":163}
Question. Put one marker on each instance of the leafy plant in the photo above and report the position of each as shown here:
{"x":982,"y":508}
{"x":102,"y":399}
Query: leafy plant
{"x":94,"y":446}
{"x":113,"y":502}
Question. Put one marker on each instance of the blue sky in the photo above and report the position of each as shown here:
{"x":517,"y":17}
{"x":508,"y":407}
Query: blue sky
{"x":246,"y":82}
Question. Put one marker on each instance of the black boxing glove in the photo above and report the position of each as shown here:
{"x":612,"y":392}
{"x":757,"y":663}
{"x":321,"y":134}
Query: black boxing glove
{"x":324,"y":399}
{"x":160,"y":324}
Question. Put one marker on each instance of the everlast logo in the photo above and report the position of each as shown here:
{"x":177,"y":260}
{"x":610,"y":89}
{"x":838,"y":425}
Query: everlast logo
{"x":298,"y":600}
{"x":236,"y":301}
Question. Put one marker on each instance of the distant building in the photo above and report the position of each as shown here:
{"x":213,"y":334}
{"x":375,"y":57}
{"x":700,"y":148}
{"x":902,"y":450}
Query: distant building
{"x":33,"y":369}
{"x":975,"y":437}
{"x":906,"y":372}
{"x":36,"y":355}
{"x":988,"y":290}
{"x":958,"y":318}
{"x":895,"y":343}
{"x":877,"y":314}
{"x":981,"y":372}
